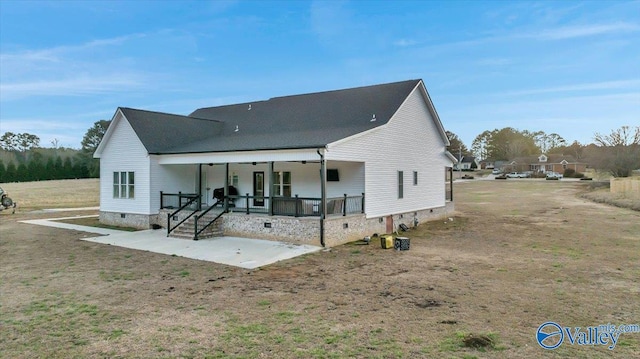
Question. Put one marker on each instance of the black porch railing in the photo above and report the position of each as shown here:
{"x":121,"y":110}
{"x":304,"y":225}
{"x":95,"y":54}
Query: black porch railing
{"x":297,"y":206}
{"x":176,"y":200}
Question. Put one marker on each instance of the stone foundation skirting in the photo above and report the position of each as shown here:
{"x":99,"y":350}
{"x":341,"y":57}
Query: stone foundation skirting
{"x":299,"y":230}
{"x":139,"y":221}
{"x":337,"y":229}
{"x":341,"y":230}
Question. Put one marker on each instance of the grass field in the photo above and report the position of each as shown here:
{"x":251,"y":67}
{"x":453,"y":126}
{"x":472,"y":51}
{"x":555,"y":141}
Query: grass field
{"x":54,"y":194}
{"x":517,"y":253}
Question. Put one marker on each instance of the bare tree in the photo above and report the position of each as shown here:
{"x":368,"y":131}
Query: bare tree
{"x":619,"y":151}
{"x":624,"y":136}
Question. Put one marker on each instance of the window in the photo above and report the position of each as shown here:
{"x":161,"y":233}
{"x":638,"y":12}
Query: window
{"x":123,"y":184}
{"x":400,"y":184}
{"x":282,"y":184}
{"x":415,"y":178}
{"x":333,"y":175}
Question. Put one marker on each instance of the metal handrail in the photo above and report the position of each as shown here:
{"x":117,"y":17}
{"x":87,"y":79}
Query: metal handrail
{"x":169,"y":228}
{"x":196,"y":231}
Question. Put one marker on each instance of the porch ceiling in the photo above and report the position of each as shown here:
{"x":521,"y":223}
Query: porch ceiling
{"x":240,"y":157}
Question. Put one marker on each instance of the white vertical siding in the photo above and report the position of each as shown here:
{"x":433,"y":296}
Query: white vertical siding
{"x":409,"y":142}
{"x":171,"y":179}
{"x":125,"y":152}
{"x":351,"y":179}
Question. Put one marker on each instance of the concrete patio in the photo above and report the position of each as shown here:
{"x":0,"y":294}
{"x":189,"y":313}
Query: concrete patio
{"x":246,"y":253}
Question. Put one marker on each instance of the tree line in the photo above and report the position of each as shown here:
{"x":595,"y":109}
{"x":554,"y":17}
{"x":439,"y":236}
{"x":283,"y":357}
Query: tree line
{"x":22,"y":159}
{"x":617,"y":153}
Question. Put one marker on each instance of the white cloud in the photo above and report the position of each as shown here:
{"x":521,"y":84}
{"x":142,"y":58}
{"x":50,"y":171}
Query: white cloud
{"x":605,"y":85}
{"x":405,"y":42}
{"x":70,"y":70}
{"x":495,"y":61}
{"x":569,"y":32}
{"x":77,"y":86}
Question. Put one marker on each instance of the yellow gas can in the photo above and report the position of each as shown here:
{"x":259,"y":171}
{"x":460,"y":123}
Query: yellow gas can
{"x":386,"y":241}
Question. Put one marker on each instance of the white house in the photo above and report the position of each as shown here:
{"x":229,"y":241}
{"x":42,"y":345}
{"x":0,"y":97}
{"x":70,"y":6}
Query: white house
{"x":467,"y":163}
{"x":321,"y":168}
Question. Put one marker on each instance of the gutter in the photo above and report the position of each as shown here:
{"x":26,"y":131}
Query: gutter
{"x":323,"y":195}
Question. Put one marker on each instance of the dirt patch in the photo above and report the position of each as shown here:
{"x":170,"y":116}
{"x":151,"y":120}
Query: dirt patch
{"x":515,"y":255}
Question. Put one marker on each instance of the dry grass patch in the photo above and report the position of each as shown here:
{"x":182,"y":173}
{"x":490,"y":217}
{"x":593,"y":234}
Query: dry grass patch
{"x":54,"y":194}
{"x":614,"y":199}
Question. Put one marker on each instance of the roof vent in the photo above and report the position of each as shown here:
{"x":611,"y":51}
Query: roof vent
{"x":373,"y":119}
{"x":249,"y":109}
{"x":237,"y":129}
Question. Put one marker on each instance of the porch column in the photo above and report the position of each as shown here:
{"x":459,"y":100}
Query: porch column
{"x":451,"y":182}
{"x":226,"y":187}
{"x":270,"y":174}
{"x":199,"y":191}
{"x":323,"y":196}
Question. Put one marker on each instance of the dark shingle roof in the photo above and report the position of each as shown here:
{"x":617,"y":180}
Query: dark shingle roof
{"x":465,"y":159}
{"x":160,"y":131}
{"x":299,"y":121}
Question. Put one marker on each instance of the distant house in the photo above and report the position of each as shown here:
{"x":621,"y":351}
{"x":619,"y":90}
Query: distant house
{"x":466,"y":163}
{"x":491,"y":164}
{"x":321,"y":168}
{"x":545,"y":163}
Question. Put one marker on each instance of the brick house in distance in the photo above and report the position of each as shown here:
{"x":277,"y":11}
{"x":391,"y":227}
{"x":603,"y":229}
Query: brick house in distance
{"x":545,"y":163}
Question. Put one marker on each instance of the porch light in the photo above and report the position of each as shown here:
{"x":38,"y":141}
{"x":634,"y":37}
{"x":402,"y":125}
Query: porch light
{"x":237,"y":129}
{"x":373,"y":119}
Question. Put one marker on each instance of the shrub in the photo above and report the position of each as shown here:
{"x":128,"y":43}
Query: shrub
{"x":569,"y":172}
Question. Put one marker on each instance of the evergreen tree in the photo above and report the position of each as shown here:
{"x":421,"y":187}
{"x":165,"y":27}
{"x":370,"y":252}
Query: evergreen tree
{"x":22,"y":173}
{"x":67,"y":169}
{"x":3,"y":170}
{"x":90,"y":142}
{"x":36,"y":168}
{"x":50,"y":170}
{"x":58,"y":169}
{"x":11,"y":173}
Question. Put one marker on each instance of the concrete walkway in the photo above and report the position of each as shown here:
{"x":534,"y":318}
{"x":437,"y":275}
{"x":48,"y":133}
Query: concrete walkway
{"x":234,"y":251}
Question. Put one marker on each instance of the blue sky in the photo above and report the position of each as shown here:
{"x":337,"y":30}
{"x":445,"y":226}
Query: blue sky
{"x":565,"y":67}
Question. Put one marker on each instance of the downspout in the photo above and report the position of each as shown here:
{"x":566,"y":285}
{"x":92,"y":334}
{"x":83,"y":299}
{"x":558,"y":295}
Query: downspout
{"x":199,"y":191}
{"x":226,"y":188}
{"x":270,"y":188}
{"x":323,"y":195}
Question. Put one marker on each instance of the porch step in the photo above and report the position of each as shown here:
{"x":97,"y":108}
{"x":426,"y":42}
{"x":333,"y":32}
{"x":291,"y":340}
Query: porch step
{"x":187,"y":229}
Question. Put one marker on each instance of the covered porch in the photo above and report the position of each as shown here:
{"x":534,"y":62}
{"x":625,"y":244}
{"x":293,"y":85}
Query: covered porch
{"x":201,"y":195}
